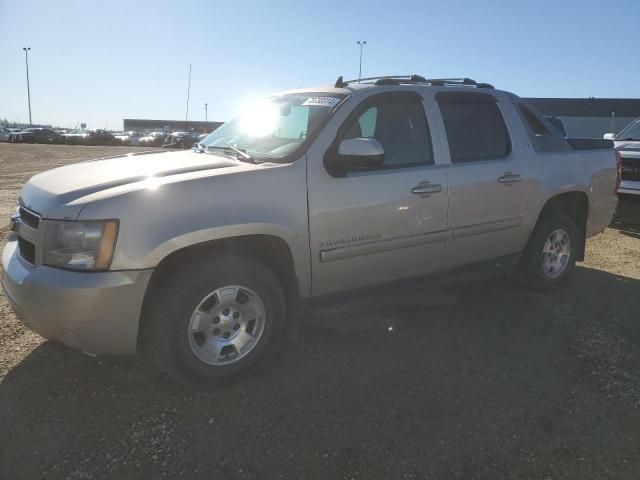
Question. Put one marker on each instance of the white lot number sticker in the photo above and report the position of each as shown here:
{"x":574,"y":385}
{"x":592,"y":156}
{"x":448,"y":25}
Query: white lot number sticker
{"x":322,"y":101}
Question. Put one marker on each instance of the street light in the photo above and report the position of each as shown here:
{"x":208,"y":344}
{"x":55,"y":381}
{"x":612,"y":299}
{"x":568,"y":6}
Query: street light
{"x":206,"y":113}
{"x":26,"y":61}
{"x":186,"y":115}
{"x":362,"y":44}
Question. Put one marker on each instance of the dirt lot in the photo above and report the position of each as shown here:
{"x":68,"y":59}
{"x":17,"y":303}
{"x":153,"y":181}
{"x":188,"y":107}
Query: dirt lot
{"x":482,"y":381}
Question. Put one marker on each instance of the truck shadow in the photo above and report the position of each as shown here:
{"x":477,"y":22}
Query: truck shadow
{"x":395,"y":369}
{"x":358,"y":320}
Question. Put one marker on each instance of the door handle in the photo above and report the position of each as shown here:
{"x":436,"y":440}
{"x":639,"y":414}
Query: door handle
{"x":426,"y":188}
{"x":508,"y":178}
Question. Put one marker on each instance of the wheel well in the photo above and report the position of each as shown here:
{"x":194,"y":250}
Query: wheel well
{"x":576,"y":206}
{"x":270,"y":250}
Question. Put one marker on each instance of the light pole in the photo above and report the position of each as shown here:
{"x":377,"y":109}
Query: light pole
{"x":26,"y":62}
{"x":362,"y":44}
{"x":186,"y":115}
{"x":206,"y":113}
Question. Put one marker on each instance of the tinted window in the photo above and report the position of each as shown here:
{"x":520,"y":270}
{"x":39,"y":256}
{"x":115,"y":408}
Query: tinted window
{"x":475,"y":130}
{"x":543,"y":139}
{"x":368,"y":122}
{"x":400,"y":127}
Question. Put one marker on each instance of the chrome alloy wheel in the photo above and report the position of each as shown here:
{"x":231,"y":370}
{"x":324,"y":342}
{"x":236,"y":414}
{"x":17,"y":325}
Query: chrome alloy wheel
{"x":556,"y":253}
{"x":226,"y":325}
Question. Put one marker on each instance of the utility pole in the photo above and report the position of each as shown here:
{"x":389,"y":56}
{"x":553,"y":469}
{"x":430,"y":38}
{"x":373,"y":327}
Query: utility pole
{"x":613,"y":118}
{"x":362,"y":44}
{"x":186,"y":117}
{"x":26,"y":62}
{"x":206,"y":113}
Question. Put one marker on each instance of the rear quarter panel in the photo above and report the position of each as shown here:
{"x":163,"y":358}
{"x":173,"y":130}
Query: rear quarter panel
{"x":592,"y":172}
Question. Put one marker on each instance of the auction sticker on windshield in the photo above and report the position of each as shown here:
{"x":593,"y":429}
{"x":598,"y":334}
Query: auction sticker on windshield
{"x":322,"y":101}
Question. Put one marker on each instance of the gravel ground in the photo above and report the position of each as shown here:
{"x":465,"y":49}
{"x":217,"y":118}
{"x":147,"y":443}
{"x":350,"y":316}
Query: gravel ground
{"x":482,"y":381}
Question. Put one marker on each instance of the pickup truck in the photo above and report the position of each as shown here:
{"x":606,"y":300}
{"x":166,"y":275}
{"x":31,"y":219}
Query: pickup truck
{"x":205,"y":258}
{"x":627,"y":143}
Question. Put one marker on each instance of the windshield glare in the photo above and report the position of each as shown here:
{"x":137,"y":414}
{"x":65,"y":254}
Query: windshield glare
{"x":630,"y":131}
{"x":275,"y":127}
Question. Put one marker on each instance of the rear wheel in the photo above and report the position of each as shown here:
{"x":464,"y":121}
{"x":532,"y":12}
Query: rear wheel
{"x":215,"y":318}
{"x":550,"y":255}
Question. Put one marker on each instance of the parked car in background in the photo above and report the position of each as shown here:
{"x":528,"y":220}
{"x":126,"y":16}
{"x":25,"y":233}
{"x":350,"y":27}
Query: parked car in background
{"x":627,"y":143}
{"x":204,"y":257}
{"x":75,"y":137}
{"x":90,"y":137}
{"x":182,"y":140}
{"x":100,"y":137}
{"x":128,"y":138}
{"x":36,"y":135}
{"x":153,"y":139}
{"x":5,"y":132}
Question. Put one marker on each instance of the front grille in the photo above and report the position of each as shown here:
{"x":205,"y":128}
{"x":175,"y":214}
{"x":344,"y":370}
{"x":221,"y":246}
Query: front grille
{"x":27,"y":250}
{"x":30,"y":219}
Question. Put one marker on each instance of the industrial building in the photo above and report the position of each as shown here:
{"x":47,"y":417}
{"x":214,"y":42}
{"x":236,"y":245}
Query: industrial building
{"x":589,"y":117}
{"x":139,"y":124}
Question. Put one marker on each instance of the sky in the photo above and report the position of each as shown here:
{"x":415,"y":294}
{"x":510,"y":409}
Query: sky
{"x":99,"y":62}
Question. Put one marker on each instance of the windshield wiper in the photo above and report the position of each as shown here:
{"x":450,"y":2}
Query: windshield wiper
{"x":237,"y":151}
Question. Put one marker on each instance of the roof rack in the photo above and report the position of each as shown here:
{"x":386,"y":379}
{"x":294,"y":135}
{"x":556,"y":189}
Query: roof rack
{"x":387,"y":79}
{"x":414,"y":79}
{"x":443,"y":82}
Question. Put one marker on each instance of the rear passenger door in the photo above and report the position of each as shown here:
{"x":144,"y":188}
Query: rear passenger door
{"x":486,"y":180}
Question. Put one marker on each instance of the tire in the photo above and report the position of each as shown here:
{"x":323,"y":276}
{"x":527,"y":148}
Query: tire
{"x":194,"y":308}
{"x":537,"y":268}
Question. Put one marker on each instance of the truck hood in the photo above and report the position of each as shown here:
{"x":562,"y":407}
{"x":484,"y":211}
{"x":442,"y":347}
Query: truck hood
{"x":56,"y":193}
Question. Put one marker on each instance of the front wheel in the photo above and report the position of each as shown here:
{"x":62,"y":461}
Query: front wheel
{"x":215,"y":318}
{"x":550,"y":255}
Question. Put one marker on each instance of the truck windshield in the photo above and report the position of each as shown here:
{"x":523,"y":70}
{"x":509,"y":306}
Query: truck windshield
{"x":630,"y":132}
{"x":275,"y":127}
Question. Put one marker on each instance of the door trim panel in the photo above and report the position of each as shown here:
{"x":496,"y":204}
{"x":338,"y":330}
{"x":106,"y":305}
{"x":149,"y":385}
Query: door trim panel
{"x":487,"y":227}
{"x":465,"y":274}
{"x":378,"y":246}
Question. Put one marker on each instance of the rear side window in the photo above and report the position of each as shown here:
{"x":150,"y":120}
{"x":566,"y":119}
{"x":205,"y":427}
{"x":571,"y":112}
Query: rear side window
{"x":475,"y":128}
{"x":543,"y":138}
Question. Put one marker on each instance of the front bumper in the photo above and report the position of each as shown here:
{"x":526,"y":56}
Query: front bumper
{"x":629,"y":187}
{"x":95,"y":312}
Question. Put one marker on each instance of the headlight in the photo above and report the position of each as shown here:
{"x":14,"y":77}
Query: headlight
{"x":79,"y":245}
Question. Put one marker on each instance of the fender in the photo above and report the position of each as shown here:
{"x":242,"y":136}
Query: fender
{"x":296,"y":242}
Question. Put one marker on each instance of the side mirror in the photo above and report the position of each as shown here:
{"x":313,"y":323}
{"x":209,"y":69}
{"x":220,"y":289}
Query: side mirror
{"x":354,"y":154}
{"x":366,"y":150}
{"x":609,"y":136}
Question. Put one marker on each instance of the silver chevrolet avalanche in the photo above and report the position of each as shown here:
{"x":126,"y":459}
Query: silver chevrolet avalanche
{"x":204,"y":258}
